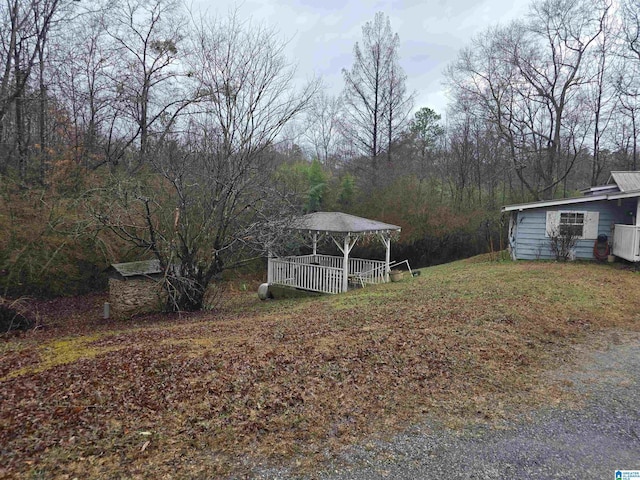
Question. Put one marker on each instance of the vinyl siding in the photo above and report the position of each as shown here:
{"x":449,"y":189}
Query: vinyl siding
{"x":531,"y":243}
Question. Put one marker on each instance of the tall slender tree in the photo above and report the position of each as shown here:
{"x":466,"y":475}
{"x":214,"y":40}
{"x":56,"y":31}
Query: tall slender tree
{"x":427,"y":135}
{"x":375,"y":95}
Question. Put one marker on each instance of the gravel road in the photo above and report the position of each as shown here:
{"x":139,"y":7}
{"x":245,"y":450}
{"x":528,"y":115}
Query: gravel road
{"x":589,"y":442}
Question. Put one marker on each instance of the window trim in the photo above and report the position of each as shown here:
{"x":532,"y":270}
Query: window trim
{"x":590,"y":224}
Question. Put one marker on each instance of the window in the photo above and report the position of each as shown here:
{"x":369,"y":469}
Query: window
{"x":571,"y":224}
{"x":582,"y":224}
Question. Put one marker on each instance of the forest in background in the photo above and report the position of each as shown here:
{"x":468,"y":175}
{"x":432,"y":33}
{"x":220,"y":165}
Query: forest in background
{"x":137,"y":129}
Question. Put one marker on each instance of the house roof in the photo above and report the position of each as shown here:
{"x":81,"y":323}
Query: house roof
{"x":337,"y":222}
{"x":627,"y":185}
{"x":626,"y":181}
{"x":143,"y":267}
{"x":553,"y":203}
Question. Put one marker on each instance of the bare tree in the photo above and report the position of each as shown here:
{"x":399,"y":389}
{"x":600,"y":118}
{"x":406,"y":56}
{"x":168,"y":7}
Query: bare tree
{"x":82,"y":83}
{"x":568,"y":28}
{"x":524,"y":79}
{"x":146,"y":60}
{"x":460,"y":156}
{"x":321,"y":128}
{"x":601,"y":97}
{"x":628,"y":90}
{"x":376,"y":101}
{"x":24,"y":29}
{"x":626,"y":81}
{"x":631,"y":26}
{"x":213,"y":203}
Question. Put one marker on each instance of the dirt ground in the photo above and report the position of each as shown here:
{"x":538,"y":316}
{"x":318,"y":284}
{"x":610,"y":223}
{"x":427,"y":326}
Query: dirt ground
{"x":595,"y":432}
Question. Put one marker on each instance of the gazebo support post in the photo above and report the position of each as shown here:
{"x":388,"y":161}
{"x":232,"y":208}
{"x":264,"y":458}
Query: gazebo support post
{"x":346,"y":250}
{"x":345,"y":263}
{"x":269,"y":267}
{"x":315,"y":244}
{"x":386,"y":240}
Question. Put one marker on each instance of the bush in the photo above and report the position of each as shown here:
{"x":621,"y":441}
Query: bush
{"x":47,"y":248}
{"x":11,"y":319}
{"x":562,"y":244}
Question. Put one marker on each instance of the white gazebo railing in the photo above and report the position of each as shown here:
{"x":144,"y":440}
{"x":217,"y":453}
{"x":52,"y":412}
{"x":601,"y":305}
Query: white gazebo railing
{"x":626,"y":242}
{"x":368,"y":271}
{"x":324,"y":273}
{"x":295,"y":272}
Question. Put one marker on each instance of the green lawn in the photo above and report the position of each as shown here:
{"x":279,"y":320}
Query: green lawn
{"x":292,"y":381}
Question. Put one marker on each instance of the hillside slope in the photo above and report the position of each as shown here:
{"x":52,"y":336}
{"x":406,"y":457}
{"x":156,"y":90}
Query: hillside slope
{"x":296,"y":380}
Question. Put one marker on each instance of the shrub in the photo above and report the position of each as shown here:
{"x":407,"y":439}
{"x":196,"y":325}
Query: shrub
{"x":562,"y":243}
{"x":47,"y":249}
{"x":13,"y":317}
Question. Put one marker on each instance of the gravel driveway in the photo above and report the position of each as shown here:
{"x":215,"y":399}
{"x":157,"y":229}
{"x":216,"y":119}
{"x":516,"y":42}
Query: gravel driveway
{"x":590,"y":442}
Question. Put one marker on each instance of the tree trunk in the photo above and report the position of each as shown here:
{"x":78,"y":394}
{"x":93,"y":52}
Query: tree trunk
{"x":42,"y":124}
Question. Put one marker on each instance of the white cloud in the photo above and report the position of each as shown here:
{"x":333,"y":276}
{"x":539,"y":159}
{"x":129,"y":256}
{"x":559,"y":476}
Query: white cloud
{"x":322,"y":34}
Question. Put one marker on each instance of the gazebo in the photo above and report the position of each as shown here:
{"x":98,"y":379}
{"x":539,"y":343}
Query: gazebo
{"x":332,"y":274}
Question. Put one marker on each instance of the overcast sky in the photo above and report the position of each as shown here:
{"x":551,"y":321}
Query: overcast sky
{"x":322,"y":34}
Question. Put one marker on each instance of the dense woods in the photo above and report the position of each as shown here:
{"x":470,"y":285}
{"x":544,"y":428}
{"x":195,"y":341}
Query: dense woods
{"x":139,"y":129}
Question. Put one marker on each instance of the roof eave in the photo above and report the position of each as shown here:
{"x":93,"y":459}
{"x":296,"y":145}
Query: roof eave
{"x":621,"y":195}
{"x":348,"y":232}
{"x":570,"y":201}
{"x":552,"y":203}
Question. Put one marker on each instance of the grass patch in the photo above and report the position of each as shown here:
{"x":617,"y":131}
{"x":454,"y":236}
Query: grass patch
{"x":60,"y":352}
{"x":290,"y":382}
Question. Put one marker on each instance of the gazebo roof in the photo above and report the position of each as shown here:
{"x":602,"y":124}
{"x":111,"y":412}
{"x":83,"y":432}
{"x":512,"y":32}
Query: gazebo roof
{"x":337,"y":222}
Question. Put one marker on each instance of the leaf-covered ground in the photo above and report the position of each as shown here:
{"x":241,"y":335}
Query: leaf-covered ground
{"x":291,"y":382}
